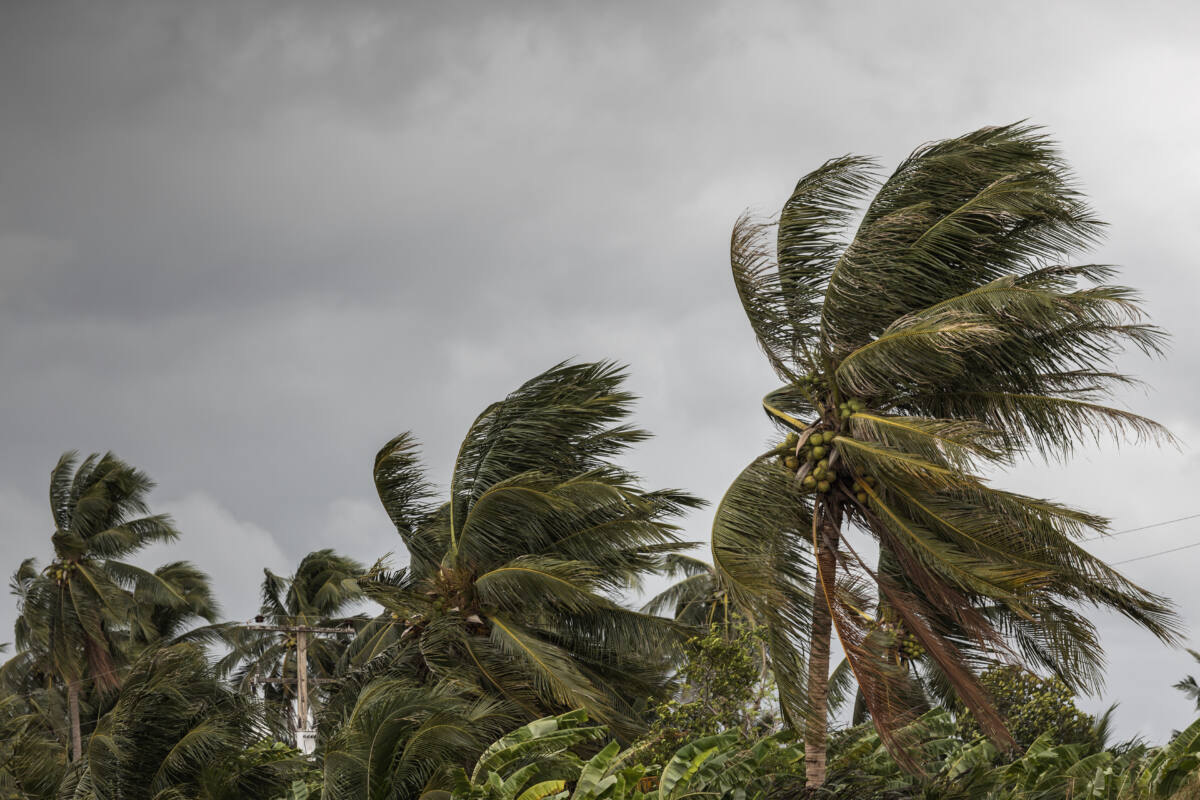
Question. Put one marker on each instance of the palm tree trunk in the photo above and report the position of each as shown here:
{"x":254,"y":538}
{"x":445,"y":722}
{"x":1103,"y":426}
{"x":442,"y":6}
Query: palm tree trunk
{"x":73,"y":711}
{"x":815,"y":728}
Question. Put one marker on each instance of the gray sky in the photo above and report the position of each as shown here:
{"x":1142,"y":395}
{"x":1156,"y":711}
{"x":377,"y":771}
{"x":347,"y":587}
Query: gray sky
{"x":243,"y":244}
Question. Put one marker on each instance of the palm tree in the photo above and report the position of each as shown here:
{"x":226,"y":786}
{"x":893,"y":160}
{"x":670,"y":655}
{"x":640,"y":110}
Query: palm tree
{"x":513,"y":582}
{"x":153,"y":623}
{"x":696,"y":599}
{"x":1189,"y":686}
{"x":74,"y":614}
{"x":947,"y":335}
{"x":177,"y":730}
{"x":402,"y":738}
{"x":320,"y":592}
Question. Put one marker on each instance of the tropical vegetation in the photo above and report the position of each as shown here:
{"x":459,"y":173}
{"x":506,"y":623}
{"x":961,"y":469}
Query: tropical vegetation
{"x":549,"y":634}
{"x":926,"y":339}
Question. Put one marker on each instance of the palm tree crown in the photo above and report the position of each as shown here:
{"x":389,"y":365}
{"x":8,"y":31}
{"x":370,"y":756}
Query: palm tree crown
{"x":513,"y":582}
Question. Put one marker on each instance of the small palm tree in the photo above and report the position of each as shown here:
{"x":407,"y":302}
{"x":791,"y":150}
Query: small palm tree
{"x":1189,"y":686}
{"x":948,"y":334}
{"x":696,"y":599}
{"x":401,"y":739}
{"x":513,"y":583}
{"x":75,"y":614}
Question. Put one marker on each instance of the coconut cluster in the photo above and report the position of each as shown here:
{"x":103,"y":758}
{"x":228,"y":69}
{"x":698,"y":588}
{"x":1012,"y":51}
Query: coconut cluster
{"x":60,"y":571}
{"x":815,"y":453}
{"x":812,"y":461}
{"x":908,"y":646}
{"x":851,"y":406}
{"x":860,"y":488}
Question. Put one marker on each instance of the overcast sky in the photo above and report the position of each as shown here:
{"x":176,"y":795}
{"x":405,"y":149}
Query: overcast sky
{"x":243,"y":244}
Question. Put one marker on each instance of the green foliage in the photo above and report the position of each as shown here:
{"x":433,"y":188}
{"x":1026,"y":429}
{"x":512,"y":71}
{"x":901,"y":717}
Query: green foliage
{"x":89,"y":613}
{"x":514,"y":581}
{"x":400,"y":739}
{"x":177,"y":731}
{"x":721,"y":688}
{"x":542,"y":760}
{"x":954,"y":768}
{"x":1189,"y":686}
{"x":1033,"y":708}
{"x":927,"y":329}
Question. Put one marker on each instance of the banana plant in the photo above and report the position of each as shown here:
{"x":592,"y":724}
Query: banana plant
{"x":538,"y":762}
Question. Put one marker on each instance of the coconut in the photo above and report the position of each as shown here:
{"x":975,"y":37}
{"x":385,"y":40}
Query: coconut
{"x":791,"y":462}
{"x":809,"y":482}
{"x":861,"y":497}
{"x":823,"y":486}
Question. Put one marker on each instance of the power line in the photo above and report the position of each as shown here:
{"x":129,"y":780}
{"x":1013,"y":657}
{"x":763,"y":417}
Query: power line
{"x":1159,"y":553}
{"x":1104,"y":536}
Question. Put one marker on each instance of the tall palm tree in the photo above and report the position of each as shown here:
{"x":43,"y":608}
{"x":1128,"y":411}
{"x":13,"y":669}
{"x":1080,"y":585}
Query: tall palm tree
{"x":513,"y":583}
{"x":946,"y":335}
{"x":74,"y":614}
{"x":319,"y":593}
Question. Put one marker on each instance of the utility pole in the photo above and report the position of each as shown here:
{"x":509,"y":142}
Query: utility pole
{"x":306,"y":738}
{"x":301,"y":680}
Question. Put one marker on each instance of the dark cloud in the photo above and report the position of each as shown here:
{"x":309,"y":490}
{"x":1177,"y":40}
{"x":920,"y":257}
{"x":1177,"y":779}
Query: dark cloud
{"x":245,"y":243}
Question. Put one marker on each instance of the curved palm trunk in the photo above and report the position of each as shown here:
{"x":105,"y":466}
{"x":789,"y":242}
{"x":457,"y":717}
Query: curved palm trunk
{"x":815,"y":728}
{"x":73,"y":711}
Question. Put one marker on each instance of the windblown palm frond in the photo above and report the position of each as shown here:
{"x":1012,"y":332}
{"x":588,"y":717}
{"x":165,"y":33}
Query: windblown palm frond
{"x":402,"y":739}
{"x":514,"y":584}
{"x":945,"y":337}
{"x":696,"y":599}
{"x":174,"y":729}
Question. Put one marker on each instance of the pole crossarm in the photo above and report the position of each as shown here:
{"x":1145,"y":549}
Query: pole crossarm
{"x":297,"y":629}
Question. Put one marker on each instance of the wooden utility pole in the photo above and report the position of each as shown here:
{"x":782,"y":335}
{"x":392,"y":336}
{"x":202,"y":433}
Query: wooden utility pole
{"x":301,"y":679}
{"x":301,"y":632}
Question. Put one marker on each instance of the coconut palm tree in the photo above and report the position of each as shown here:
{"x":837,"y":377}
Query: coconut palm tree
{"x":177,"y":730}
{"x":948,"y":334}
{"x":402,"y":738}
{"x":1189,"y":686}
{"x":513,"y":582}
{"x":696,"y":598}
{"x":74,"y":614}
{"x":319,"y":593}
